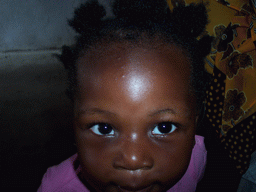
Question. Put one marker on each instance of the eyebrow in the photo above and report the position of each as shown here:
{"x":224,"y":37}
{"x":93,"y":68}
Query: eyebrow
{"x":168,"y":110}
{"x":92,"y":111}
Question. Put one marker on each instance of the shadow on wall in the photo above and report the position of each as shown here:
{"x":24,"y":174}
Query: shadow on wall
{"x":36,"y":119}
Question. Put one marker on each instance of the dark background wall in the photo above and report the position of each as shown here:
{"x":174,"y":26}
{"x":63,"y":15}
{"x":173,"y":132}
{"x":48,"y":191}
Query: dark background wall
{"x":35,"y":118}
{"x":34,"y":24}
{"x":37,"y":24}
{"x":35,"y":114}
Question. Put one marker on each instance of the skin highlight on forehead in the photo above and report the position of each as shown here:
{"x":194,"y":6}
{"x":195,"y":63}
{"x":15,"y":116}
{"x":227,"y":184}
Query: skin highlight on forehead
{"x":133,"y":56}
{"x":127,"y":64}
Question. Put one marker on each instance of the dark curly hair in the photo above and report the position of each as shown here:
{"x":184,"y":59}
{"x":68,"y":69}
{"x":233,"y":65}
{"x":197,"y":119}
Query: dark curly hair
{"x":141,"y":20}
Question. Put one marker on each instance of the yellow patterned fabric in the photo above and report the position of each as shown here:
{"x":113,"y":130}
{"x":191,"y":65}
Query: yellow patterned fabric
{"x":231,"y":96}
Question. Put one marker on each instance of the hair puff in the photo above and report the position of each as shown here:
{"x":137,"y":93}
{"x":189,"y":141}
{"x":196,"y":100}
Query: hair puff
{"x":87,"y":17}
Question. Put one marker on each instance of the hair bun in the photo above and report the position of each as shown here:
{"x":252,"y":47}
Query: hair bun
{"x":189,"y":20}
{"x":87,"y":16}
{"x":140,"y":9}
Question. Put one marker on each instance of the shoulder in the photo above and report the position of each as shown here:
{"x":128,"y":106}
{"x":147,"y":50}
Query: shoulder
{"x":62,"y":177}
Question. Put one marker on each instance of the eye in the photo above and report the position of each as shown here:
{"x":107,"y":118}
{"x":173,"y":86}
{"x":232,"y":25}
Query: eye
{"x":102,"y":129}
{"x":164,"y":128}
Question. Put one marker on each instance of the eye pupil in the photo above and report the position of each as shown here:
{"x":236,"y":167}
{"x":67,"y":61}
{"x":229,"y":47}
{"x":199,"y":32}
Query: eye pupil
{"x":164,"y":127}
{"x":104,"y":128}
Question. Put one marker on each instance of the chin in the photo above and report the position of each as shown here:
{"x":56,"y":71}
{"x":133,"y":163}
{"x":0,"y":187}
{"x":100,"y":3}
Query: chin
{"x":130,"y":187}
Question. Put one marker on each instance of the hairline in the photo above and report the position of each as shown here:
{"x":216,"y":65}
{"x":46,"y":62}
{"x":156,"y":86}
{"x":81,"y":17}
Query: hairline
{"x":144,"y":41}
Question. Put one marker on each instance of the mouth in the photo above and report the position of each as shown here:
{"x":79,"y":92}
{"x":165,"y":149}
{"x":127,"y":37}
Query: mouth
{"x":133,"y":189}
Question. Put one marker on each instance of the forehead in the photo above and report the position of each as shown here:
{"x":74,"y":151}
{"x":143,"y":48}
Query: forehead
{"x":126,"y":57}
{"x":134,"y":72}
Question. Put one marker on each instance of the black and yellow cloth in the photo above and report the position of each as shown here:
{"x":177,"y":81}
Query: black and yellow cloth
{"x":230,"y":106}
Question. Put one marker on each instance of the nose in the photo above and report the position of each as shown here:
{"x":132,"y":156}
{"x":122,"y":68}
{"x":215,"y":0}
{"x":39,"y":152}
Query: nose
{"x":133,"y":154}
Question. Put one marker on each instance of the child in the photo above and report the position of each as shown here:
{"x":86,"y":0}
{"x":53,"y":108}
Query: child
{"x":136,"y":81}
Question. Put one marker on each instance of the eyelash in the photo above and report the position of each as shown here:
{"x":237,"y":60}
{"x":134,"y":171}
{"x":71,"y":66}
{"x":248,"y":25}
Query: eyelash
{"x":104,"y":125}
{"x":166,"y":125}
{"x":171,"y":127}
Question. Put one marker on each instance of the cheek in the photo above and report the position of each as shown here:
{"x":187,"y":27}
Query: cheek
{"x":175,"y":159}
{"x":94,"y":157}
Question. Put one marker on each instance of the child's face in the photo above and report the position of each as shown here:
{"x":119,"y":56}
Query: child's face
{"x":135,"y":117}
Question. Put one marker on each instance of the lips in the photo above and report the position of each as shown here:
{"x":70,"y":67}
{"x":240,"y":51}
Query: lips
{"x":136,"y":181}
{"x":135,"y":189}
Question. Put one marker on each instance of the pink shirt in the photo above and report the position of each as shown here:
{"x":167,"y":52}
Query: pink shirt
{"x":63,"y":177}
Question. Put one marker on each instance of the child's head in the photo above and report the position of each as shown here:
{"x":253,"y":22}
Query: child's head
{"x":135,"y":82}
